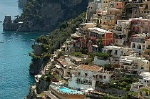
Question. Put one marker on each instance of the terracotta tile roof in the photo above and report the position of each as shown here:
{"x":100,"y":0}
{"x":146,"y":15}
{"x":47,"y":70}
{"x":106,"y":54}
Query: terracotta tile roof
{"x":61,"y":62}
{"x":90,"y":68}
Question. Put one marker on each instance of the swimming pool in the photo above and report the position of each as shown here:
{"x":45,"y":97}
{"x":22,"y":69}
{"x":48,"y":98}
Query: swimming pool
{"x":69,"y":91}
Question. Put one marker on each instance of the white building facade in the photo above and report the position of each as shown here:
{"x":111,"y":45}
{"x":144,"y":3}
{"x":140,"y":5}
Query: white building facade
{"x":86,"y":77}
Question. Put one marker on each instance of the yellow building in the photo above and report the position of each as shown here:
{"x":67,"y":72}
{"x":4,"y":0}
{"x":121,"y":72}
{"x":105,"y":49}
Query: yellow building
{"x":105,"y":3}
{"x":109,"y":18}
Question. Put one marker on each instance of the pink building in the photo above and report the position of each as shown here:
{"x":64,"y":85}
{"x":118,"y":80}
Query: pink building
{"x":106,"y":36}
{"x":140,"y":25}
{"x":119,"y":5}
{"x":90,"y":39}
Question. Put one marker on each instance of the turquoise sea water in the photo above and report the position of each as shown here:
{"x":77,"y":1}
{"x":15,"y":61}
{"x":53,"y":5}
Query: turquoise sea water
{"x":69,"y":91}
{"x":14,"y":60}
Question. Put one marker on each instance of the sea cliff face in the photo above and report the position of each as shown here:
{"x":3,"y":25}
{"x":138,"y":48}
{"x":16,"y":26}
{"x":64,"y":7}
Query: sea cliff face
{"x":45,"y":15}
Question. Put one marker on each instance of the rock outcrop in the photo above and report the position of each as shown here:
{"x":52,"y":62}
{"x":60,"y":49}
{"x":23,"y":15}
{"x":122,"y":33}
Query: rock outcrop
{"x":8,"y":24}
{"x":45,"y":15}
{"x":41,"y":85}
{"x":35,"y":66}
{"x":32,"y":93}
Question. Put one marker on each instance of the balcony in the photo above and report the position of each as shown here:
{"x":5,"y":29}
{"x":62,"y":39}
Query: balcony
{"x":84,"y":81}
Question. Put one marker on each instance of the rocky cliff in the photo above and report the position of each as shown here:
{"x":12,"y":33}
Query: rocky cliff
{"x":45,"y":15}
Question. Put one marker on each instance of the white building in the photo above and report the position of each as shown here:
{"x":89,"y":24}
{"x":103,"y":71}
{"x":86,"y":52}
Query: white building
{"x":146,"y":53}
{"x":134,"y":62}
{"x":145,"y":78}
{"x":144,"y":82}
{"x":138,"y":42}
{"x":121,"y":31}
{"x":101,"y":62}
{"x":117,"y":51}
{"x":98,"y":3}
{"x":86,"y":77}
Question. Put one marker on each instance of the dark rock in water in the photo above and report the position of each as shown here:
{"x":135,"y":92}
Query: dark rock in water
{"x":39,"y":87}
{"x":42,"y":85}
{"x":32,"y":93}
{"x":8,"y":25}
{"x":45,"y":15}
{"x":36,"y":65}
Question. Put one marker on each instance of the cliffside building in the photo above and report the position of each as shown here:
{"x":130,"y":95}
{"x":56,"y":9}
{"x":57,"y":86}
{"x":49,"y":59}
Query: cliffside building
{"x":86,"y":77}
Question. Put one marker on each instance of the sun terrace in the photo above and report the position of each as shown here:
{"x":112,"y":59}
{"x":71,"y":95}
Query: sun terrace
{"x":63,"y":92}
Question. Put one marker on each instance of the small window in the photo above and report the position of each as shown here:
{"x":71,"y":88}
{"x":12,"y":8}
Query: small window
{"x":133,"y":45}
{"x":139,"y":46}
{"x":104,"y":77}
{"x":100,"y":76}
{"x":115,"y":52}
{"x":96,"y":76}
{"x":78,"y":73}
{"x":86,"y":74}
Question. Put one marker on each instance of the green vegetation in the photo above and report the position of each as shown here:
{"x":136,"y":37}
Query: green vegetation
{"x":42,"y":39}
{"x":109,"y":67}
{"x":103,"y":55}
{"x":54,"y":40}
{"x":47,"y":77}
{"x":123,"y":82}
{"x":59,"y":35}
{"x":44,"y":44}
{"x":77,"y":54}
{"x":146,"y":90}
{"x":34,"y":56}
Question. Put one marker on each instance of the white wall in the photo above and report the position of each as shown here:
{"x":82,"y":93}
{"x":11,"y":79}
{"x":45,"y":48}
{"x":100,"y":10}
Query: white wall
{"x":100,"y":62}
{"x":141,"y":62}
{"x":144,"y":64}
{"x":136,"y":47}
{"x":119,"y":52}
{"x":74,"y":84}
{"x":144,"y":81}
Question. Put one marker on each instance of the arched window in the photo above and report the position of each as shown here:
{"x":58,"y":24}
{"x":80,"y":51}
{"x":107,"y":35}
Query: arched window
{"x":139,"y":46}
{"x":86,"y":74}
{"x":133,"y":45}
{"x":104,"y":77}
{"x":100,"y":76}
